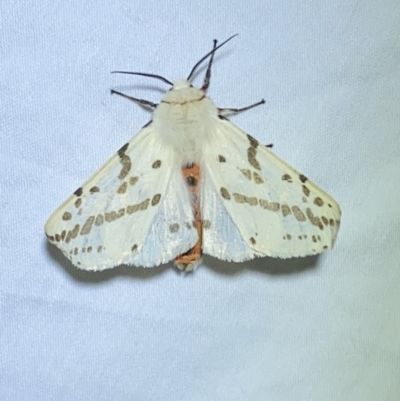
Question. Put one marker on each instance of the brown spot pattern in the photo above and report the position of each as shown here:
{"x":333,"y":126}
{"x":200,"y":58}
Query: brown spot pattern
{"x":246,"y":172}
{"x":252,"y":240}
{"x":252,"y":152}
{"x":113,"y":215}
{"x":78,"y":203}
{"x":156,"y":199}
{"x":303,"y":178}
{"x":253,"y":141}
{"x":134,"y":248}
{"x":206,"y":224}
{"x":173,"y":228}
{"x":94,"y":189}
{"x":133,"y":180}
{"x":285,"y":210}
{"x":287,"y":177}
{"x":72,"y":233}
{"x":298,"y":214}
{"x":125,"y":161}
{"x":78,"y":192}
{"x":156,"y":164}
{"x":257,"y":178}
{"x":99,"y":220}
{"x":306,"y":191}
{"x":122,"y":188}
{"x":139,"y":206}
{"x":88,"y":225}
{"x":318,"y":201}
{"x":225,"y":193}
{"x":67,"y":216}
{"x":251,"y":157}
{"x":316,"y":221}
{"x":221,"y":159}
{"x":272,"y":206}
{"x":239,"y":198}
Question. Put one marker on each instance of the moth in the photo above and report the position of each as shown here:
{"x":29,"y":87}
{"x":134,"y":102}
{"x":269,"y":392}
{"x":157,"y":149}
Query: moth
{"x":191,"y":182}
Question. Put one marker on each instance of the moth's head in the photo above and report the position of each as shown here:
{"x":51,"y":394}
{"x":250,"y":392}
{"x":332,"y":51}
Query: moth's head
{"x":181,"y":84}
{"x":182,"y":91}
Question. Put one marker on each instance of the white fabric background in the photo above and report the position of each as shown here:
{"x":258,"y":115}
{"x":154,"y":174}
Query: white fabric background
{"x":322,"y":328}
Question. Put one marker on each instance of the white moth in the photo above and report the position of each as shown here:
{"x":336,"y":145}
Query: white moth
{"x":192,"y":182}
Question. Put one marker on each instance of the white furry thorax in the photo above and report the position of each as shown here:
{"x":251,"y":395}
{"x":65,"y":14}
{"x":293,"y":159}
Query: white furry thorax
{"x":184,"y":120}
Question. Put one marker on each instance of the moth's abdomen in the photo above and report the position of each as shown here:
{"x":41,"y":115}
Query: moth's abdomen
{"x":190,"y":259}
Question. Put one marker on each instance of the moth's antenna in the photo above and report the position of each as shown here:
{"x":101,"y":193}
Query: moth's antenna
{"x":207,"y":77}
{"x":144,"y":75}
{"x":207,"y":55}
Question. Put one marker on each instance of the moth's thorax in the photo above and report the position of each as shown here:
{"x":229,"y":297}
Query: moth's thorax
{"x":183,"y":120}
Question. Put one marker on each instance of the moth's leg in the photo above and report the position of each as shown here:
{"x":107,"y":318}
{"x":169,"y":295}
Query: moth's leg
{"x":143,"y":102}
{"x":225,"y":111}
